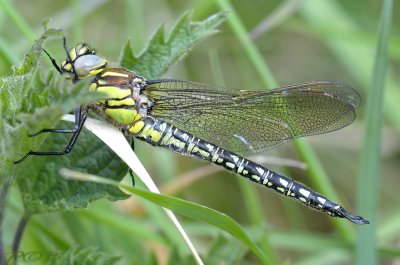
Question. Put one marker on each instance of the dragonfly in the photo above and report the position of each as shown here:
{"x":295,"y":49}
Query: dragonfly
{"x":209,"y":122}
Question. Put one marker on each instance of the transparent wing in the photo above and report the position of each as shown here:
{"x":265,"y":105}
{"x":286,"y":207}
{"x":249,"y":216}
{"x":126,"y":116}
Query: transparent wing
{"x":253,"y":121}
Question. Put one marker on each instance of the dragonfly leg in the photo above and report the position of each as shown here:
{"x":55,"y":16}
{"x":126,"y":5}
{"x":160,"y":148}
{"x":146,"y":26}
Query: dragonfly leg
{"x":131,"y":140}
{"x":132,"y":176}
{"x":78,"y":118}
{"x":53,"y":61}
{"x":130,"y":170}
{"x":133,"y":145}
{"x":75,"y":76}
{"x":79,"y":121}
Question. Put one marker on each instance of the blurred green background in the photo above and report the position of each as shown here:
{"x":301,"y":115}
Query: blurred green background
{"x":300,"y":41}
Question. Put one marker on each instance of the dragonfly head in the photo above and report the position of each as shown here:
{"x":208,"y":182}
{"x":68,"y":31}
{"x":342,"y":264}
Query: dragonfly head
{"x":82,"y":62}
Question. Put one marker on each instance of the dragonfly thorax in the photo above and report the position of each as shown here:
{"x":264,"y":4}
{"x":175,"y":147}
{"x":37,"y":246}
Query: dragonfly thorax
{"x":124,"y":100}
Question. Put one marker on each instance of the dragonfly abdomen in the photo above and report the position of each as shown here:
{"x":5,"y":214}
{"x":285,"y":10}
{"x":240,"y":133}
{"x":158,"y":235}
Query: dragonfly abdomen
{"x":163,"y":134}
{"x":274,"y":181}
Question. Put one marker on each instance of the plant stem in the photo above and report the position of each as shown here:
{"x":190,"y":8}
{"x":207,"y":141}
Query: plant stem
{"x":3,"y":199}
{"x":18,"y":235}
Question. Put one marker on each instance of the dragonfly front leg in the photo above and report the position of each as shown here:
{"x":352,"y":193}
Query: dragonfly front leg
{"x":80,"y":119}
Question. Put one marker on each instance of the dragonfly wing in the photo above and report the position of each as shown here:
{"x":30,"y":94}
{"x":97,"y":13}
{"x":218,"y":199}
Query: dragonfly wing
{"x":253,"y":121}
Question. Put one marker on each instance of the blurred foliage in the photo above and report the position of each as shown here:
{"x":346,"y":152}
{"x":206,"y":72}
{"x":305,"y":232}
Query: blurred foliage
{"x":304,"y":40}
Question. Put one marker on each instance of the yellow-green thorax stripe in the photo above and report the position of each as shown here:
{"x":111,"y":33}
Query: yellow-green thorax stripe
{"x":119,"y":104}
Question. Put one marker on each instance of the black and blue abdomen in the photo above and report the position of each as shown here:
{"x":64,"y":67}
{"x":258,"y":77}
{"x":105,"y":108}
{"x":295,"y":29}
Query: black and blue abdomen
{"x":171,"y":137}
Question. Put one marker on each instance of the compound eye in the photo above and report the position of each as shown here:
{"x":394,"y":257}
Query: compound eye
{"x":88,"y":65}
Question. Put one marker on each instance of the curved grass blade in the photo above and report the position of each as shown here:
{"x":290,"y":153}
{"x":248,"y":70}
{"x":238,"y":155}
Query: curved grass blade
{"x":117,"y":142}
{"x":185,"y":208}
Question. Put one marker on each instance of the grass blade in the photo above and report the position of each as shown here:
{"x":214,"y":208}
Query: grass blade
{"x":185,"y":208}
{"x":370,"y":162}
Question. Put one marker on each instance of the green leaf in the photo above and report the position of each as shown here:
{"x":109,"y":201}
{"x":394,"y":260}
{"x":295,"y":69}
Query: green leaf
{"x":16,"y":91}
{"x":84,"y":256}
{"x":162,"y":50}
{"x":28,"y":104}
{"x":43,"y":189}
{"x":17,"y":95}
